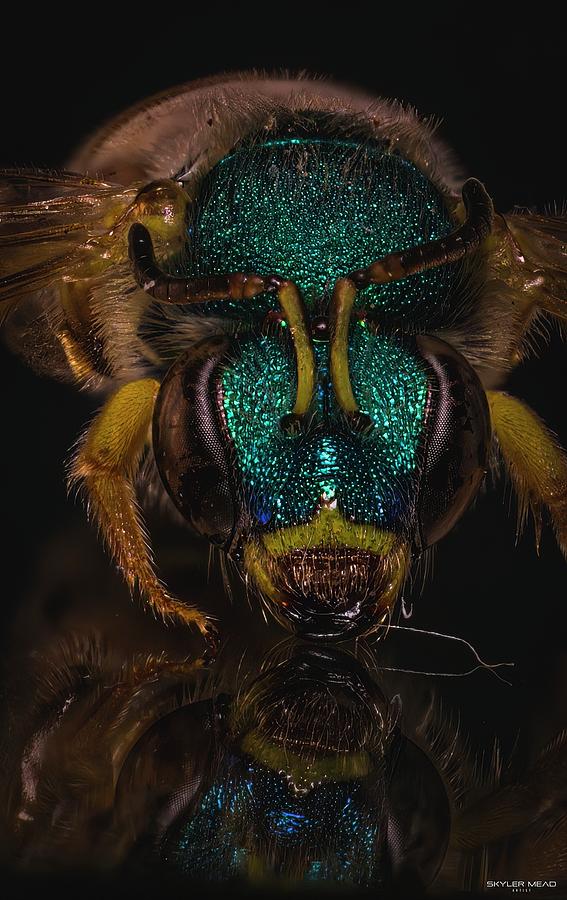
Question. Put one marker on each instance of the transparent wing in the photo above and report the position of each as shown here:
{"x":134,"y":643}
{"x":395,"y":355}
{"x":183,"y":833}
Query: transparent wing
{"x":66,"y":282}
{"x":542,"y":257}
{"x":527,"y":265}
{"x":45,"y":218}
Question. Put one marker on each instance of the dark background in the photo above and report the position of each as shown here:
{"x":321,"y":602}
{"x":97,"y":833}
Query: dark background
{"x":501,"y":100}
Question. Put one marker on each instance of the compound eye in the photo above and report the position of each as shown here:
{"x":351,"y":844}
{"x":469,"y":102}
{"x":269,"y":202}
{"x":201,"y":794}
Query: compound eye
{"x":457,"y":440}
{"x":192,"y":447}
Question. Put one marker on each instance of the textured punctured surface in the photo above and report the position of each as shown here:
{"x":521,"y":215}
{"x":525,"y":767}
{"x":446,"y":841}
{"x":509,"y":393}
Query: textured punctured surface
{"x":254,"y":809}
{"x":367,"y":476}
{"x":313,"y":210}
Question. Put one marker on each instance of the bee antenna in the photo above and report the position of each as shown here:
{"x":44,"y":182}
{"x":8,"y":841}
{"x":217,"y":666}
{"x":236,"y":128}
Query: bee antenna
{"x":166,"y":288}
{"x":479,"y":218}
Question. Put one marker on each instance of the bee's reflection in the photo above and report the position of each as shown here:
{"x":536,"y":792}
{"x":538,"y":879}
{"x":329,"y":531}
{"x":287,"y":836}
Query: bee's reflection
{"x":303,"y":765}
{"x":310,"y":779}
{"x":296,"y":770}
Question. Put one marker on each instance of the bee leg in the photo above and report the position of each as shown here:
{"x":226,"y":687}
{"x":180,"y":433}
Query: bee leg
{"x":105,"y":467}
{"x":536,"y":463}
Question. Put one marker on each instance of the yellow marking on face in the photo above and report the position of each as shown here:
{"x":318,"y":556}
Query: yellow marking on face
{"x":303,"y":771}
{"x":399,"y":564}
{"x":329,"y":529}
{"x":256,"y":563}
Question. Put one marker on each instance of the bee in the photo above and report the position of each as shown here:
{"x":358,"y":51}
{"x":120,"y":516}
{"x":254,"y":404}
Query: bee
{"x":300,"y":766}
{"x":300,"y":316}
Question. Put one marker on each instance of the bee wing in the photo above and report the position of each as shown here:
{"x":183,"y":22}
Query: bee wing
{"x":64,"y":273}
{"x":542,"y":245}
{"x":45,"y":219}
{"x":528,"y":263}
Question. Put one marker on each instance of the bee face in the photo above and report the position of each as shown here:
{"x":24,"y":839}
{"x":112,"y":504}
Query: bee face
{"x":323,"y":515}
{"x":278,"y":706}
{"x":324,"y":520}
{"x":292,"y":289}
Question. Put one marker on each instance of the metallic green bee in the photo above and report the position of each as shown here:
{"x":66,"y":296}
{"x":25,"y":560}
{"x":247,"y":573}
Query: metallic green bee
{"x":291,"y":768}
{"x":301,"y":314}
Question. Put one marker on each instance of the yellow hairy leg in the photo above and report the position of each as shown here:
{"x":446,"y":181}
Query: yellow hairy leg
{"x":535,"y":461}
{"x":105,"y":466}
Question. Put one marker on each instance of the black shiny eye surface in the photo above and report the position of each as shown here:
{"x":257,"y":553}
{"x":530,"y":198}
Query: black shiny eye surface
{"x":191,"y":444}
{"x":457,"y":440}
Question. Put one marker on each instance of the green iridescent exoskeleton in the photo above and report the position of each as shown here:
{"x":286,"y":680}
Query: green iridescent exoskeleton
{"x":369,"y":476}
{"x":331,"y":833}
{"x":312,"y":210}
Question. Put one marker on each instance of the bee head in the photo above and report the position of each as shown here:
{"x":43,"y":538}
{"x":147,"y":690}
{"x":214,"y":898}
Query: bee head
{"x":328,"y":435}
